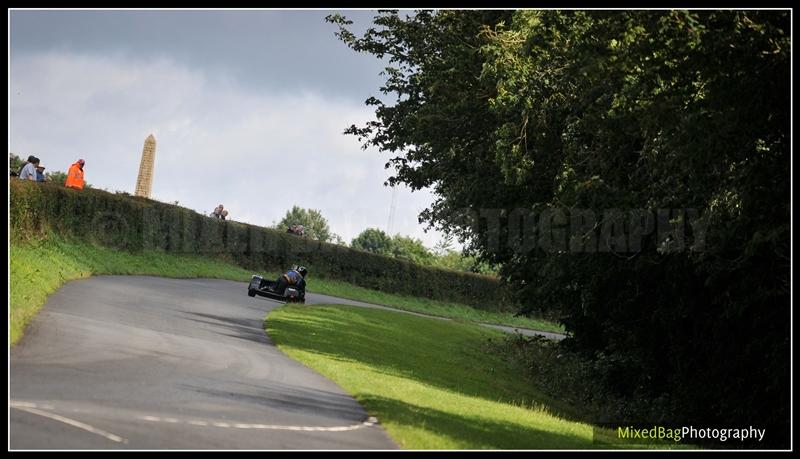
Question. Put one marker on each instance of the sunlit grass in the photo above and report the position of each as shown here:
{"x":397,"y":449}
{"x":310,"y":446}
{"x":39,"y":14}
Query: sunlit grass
{"x":432,"y":307}
{"x":431,"y":383}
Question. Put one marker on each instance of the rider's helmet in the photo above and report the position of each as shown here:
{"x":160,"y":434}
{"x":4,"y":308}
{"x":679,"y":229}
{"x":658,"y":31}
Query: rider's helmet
{"x":302,"y":270}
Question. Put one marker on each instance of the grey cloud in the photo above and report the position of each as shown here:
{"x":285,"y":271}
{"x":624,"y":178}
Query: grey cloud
{"x":256,"y":153}
{"x":280,"y":50}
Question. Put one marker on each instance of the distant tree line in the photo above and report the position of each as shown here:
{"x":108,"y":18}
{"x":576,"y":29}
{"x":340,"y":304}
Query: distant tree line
{"x":376,"y":241}
{"x":407,"y":248}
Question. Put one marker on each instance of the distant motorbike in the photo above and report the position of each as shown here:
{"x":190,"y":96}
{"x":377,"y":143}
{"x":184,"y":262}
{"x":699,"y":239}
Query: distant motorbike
{"x":266,"y":288}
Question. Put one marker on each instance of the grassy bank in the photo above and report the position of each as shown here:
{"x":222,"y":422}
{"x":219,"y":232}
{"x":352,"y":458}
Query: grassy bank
{"x":40,"y":266}
{"x":430,"y":383}
{"x":427,"y":306}
{"x":434,"y":384}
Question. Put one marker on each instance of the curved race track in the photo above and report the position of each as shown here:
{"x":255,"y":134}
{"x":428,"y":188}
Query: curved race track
{"x":151,"y":363}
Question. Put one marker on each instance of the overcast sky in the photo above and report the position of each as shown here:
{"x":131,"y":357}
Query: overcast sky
{"x":244,"y":105}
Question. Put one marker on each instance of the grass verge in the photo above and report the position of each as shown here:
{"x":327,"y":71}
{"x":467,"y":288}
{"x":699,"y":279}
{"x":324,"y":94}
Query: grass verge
{"x":426,"y":306}
{"x":431,"y":384}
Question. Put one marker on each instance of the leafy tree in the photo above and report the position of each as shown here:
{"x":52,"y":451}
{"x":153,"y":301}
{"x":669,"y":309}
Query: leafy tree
{"x":454,"y":260}
{"x":581,"y":112}
{"x":338,"y":240}
{"x":407,"y":248}
{"x":56,"y":177}
{"x":444,"y":246}
{"x":457,"y":261}
{"x":376,"y":241}
{"x":316,"y":226}
{"x":14,"y":162}
{"x":373,"y":240}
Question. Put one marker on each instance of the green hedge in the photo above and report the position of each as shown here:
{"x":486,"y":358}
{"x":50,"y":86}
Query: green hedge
{"x":134,"y":224}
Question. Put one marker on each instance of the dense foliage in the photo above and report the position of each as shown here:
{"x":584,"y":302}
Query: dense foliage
{"x":401,"y":247}
{"x":552,"y":139}
{"x":14,"y":162}
{"x":373,"y":240}
{"x":316,"y":226}
{"x":406,"y":248}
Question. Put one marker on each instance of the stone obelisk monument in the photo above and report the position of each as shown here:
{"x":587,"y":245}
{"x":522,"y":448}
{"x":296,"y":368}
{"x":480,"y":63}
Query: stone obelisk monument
{"x":144,"y":184}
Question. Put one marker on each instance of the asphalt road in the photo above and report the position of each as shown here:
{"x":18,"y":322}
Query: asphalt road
{"x":137,"y":362}
{"x":132,"y":362}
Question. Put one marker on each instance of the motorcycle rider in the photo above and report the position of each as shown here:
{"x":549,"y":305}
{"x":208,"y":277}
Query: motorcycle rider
{"x":295,"y":277}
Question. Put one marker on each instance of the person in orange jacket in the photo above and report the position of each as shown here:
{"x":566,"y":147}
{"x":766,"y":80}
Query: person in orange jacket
{"x":75,"y":176}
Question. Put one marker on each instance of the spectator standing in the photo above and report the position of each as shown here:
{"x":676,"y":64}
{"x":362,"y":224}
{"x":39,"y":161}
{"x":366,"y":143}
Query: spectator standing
{"x":28,"y":171}
{"x":75,"y":175}
{"x":21,"y":166}
{"x":40,"y":173}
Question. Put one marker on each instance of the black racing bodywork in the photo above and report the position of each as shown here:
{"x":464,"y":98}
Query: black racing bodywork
{"x":263,"y":287}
